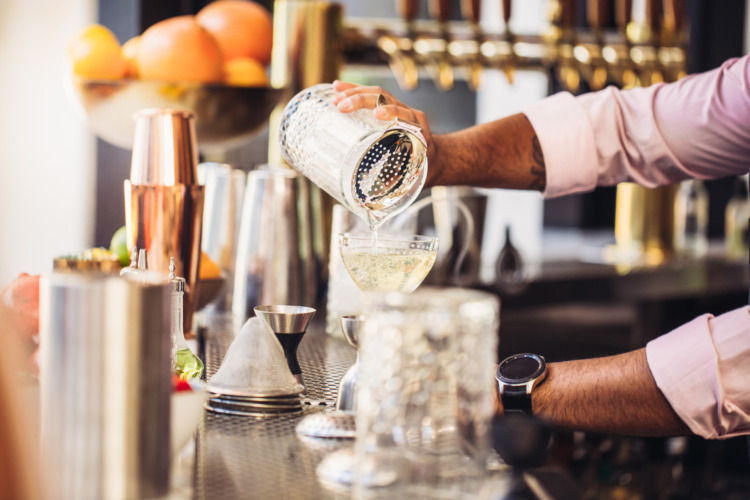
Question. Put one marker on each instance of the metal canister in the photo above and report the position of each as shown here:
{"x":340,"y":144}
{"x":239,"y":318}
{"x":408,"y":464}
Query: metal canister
{"x":105,"y":385}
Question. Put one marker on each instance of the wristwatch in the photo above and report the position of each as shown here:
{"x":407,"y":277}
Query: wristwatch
{"x":517,"y":377}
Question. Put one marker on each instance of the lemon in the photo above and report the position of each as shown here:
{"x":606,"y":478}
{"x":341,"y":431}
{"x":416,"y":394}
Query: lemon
{"x":95,"y":52}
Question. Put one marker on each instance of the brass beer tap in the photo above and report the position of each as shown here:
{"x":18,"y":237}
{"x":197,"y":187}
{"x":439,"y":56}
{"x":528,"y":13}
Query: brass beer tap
{"x":436,"y":51}
{"x":468,"y":51}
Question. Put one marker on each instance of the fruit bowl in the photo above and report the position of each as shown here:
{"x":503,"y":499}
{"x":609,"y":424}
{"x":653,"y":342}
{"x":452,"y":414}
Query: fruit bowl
{"x":226,"y":116}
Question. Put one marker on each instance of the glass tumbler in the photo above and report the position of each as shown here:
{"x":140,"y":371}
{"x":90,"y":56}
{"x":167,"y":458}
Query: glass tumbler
{"x":373,"y":167}
{"x":424,"y":400}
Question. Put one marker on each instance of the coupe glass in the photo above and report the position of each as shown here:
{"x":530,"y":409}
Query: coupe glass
{"x":388,"y":262}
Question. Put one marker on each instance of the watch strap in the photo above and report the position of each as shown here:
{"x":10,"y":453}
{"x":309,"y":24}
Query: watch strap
{"x":516,"y":402}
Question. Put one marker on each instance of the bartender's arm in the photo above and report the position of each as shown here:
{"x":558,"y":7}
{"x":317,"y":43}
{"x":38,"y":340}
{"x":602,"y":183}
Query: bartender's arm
{"x":616,"y":394}
{"x":692,"y":378}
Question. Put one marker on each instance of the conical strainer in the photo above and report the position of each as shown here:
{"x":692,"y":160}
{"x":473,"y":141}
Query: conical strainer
{"x":373,"y":167}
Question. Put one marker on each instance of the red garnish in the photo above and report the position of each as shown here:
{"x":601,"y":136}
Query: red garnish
{"x":179,"y":385}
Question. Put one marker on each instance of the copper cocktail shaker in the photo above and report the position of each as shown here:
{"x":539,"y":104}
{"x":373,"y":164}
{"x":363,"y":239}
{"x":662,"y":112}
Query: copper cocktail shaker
{"x":163,"y":200}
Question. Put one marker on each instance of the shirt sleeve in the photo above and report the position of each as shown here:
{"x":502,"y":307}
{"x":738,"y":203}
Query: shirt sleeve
{"x":702,"y":368}
{"x":696,"y":127}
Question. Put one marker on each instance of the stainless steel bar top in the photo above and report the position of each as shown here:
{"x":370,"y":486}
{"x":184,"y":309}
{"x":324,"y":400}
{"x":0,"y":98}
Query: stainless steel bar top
{"x":263,"y":457}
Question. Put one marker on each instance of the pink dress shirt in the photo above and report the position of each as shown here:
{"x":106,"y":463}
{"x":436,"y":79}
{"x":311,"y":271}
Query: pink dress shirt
{"x":696,"y":127}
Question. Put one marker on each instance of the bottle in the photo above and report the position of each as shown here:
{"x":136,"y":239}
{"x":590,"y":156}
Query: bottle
{"x":133,"y":262}
{"x":509,"y":269}
{"x":691,"y":219}
{"x":186,"y":364}
{"x":736,"y":218}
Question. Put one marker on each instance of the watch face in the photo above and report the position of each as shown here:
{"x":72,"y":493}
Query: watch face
{"x":520,"y":368}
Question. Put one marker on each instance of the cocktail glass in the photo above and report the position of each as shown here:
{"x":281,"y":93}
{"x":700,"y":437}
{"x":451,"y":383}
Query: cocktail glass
{"x":388,"y":262}
{"x":382,"y":263}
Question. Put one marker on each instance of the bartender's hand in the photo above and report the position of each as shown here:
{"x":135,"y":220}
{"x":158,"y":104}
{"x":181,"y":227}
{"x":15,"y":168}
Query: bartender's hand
{"x":352,"y":97}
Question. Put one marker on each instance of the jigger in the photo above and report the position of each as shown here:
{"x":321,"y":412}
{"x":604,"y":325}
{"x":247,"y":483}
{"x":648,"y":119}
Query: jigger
{"x":350,"y":325}
{"x":289,"y":323}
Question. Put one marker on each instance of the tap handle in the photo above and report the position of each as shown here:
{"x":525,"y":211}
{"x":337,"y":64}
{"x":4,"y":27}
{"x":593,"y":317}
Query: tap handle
{"x":568,"y":13}
{"x":506,"y":11}
{"x":623,"y":13}
{"x":674,"y":15}
{"x":470,"y":10}
{"x":407,"y":9}
{"x":440,"y":10}
{"x":597,"y":13}
{"x":653,"y":15}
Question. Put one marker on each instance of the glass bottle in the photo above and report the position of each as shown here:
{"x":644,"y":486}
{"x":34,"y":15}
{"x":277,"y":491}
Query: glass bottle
{"x":509,"y":270}
{"x":133,"y":263}
{"x":186,"y":364}
{"x":691,"y":219}
{"x":736,"y":217}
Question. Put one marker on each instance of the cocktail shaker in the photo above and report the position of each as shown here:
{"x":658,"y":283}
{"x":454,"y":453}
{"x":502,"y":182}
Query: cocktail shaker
{"x":105,"y":385}
{"x":225,"y":187}
{"x":275,"y":261}
{"x":163,"y":200}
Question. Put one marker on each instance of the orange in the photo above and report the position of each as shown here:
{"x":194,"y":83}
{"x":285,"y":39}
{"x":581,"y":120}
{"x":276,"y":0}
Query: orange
{"x":245,"y":72}
{"x":129,"y":51}
{"x":95,"y":53}
{"x":242,"y":28}
{"x":179,"y":49}
{"x":208,"y":268}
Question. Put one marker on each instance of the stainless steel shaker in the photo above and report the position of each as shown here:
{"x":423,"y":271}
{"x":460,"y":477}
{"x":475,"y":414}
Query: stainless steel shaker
{"x":275,"y":261}
{"x":105,"y":386}
{"x":224,"y":190}
{"x":163,"y":200}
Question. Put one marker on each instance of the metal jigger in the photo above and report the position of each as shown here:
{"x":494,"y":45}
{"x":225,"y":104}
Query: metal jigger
{"x":289,"y":323}
{"x":350,"y":325}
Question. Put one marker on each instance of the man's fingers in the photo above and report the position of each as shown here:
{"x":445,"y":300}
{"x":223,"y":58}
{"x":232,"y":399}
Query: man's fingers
{"x":357,"y":101}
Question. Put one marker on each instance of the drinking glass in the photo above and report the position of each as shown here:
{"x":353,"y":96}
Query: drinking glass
{"x":388,"y":262}
{"x":425,"y":380}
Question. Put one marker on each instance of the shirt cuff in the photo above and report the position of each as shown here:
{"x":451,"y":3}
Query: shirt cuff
{"x":698,"y":367}
{"x":562,"y":125}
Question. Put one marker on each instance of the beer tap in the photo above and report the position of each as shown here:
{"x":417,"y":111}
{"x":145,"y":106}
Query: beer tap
{"x":468,"y":51}
{"x":567,"y":72}
{"x":642,"y":32}
{"x":399,"y":50}
{"x":589,"y":55}
{"x":672,"y":52}
{"x":509,"y":65}
{"x":437,"y":54}
{"x":617,"y":54}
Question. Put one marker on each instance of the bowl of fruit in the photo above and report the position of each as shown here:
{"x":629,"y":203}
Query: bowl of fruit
{"x":213,"y":63}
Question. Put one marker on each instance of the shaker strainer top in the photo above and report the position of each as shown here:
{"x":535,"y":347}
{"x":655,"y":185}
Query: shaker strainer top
{"x":385,"y":171}
{"x":375,"y":168}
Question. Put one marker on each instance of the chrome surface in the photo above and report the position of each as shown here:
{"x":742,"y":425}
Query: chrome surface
{"x":286,"y":319}
{"x":249,"y":457}
{"x":275,"y":262}
{"x":351,"y":326}
{"x":106,"y":384}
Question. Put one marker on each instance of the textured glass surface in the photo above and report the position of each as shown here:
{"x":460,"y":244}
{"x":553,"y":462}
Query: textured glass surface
{"x":371,"y":166}
{"x":424,"y":401}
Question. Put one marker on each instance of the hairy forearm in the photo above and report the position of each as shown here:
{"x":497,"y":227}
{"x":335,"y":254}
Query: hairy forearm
{"x":502,"y":154}
{"x":614,"y":395}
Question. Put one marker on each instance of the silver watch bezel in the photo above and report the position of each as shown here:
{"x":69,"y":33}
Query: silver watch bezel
{"x":528,"y":383}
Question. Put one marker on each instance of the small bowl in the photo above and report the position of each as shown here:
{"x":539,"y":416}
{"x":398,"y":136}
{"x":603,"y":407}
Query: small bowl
{"x":226,"y":116}
{"x":207,"y":290}
{"x":187,"y":412}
